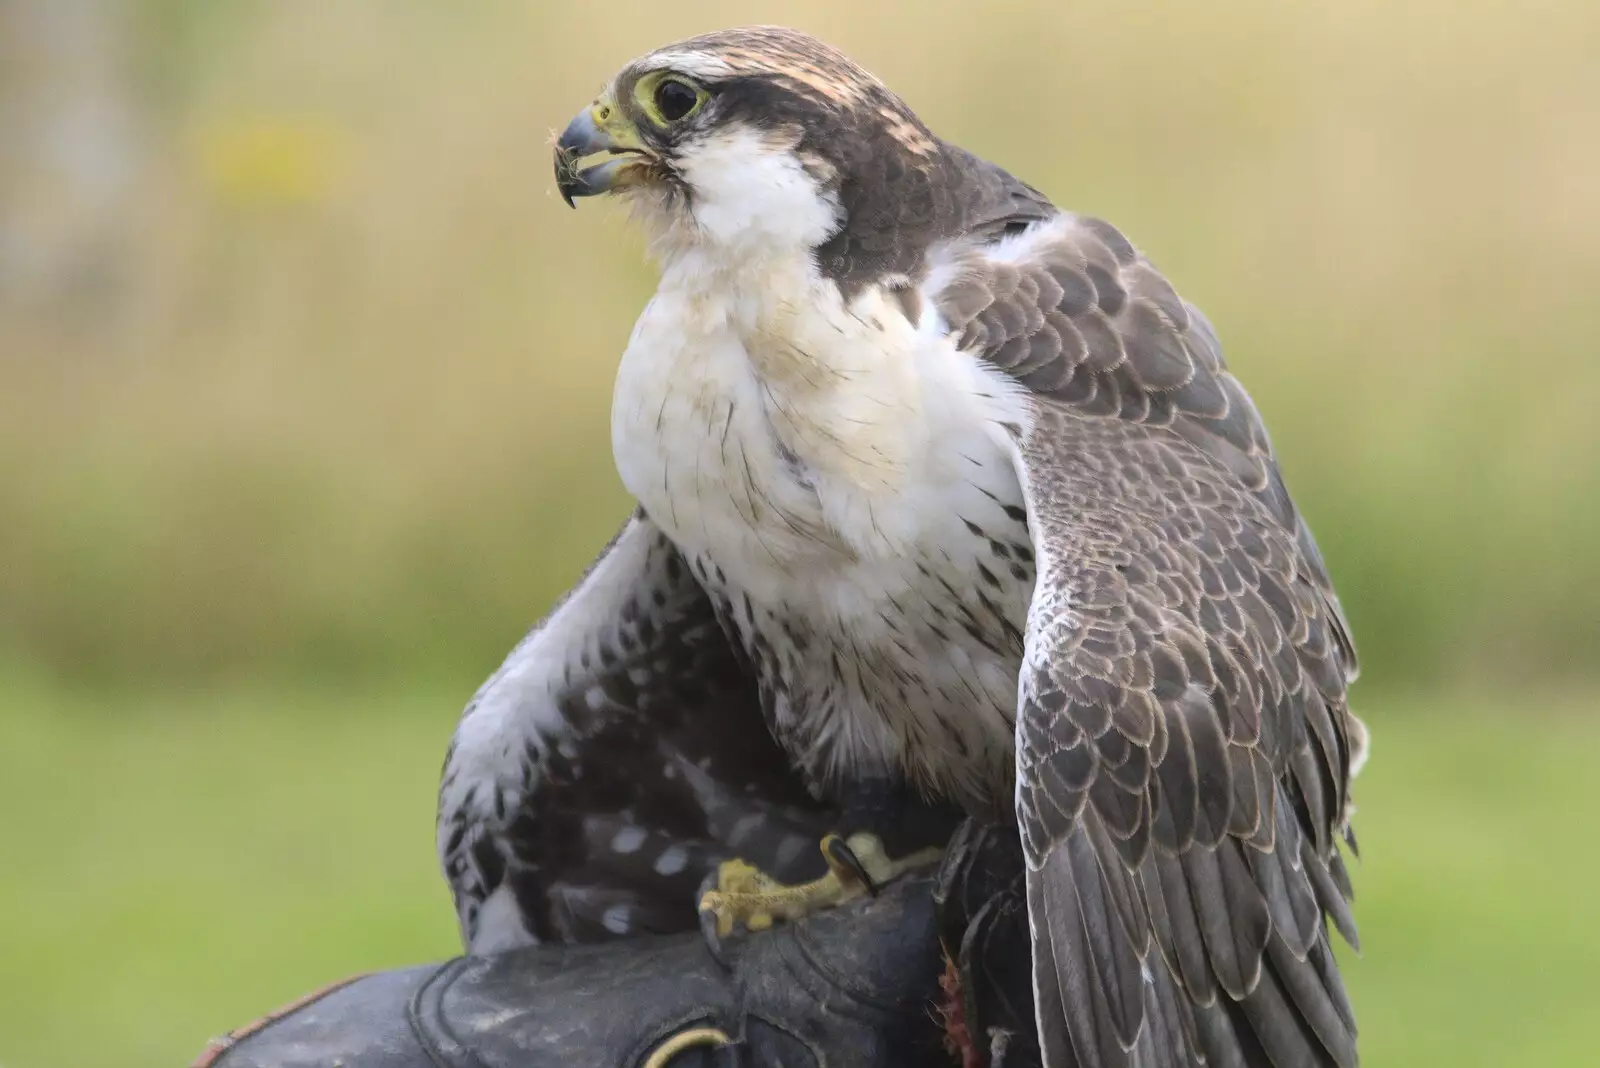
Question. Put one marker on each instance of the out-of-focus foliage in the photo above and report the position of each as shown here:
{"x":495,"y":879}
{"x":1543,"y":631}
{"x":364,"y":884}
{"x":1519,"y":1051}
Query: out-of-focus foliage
{"x":346,"y":409}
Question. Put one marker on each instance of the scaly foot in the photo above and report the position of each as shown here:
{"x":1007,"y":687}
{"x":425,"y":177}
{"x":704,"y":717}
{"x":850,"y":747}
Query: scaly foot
{"x":744,"y":896}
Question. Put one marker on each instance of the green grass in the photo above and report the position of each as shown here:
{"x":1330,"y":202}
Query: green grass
{"x":177,"y":864}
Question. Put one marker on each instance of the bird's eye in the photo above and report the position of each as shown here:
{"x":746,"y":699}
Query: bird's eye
{"x":666,"y":97}
{"x":675,"y":99}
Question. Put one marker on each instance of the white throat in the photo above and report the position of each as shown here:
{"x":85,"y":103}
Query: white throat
{"x":766,"y":423}
{"x":751,"y":199}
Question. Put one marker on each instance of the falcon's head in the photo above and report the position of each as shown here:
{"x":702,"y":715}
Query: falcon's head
{"x":766,"y":135}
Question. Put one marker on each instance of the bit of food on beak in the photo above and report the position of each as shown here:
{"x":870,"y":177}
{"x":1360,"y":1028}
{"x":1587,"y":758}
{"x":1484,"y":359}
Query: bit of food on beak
{"x":585,"y":139}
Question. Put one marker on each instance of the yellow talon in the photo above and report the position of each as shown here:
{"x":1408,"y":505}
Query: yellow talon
{"x":749,"y":897}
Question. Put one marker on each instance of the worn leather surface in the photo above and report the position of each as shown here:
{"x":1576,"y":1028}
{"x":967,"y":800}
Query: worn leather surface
{"x":982,"y":907}
{"x":854,"y":986}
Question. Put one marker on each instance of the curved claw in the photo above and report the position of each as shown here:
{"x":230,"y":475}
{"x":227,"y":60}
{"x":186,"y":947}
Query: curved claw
{"x":846,"y":866}
{"x":711,"y":921}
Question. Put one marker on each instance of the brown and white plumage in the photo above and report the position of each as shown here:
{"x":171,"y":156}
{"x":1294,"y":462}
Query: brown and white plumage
{"x":1184,"y":747}
{"x":614,"y":759}
{"x":974,"y":499}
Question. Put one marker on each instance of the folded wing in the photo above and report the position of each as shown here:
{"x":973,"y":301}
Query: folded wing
{"x":1184,"y":745}
{"x":615,"y":758}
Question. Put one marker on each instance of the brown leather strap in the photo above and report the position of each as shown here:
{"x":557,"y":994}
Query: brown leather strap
{"x":218,"y":1046}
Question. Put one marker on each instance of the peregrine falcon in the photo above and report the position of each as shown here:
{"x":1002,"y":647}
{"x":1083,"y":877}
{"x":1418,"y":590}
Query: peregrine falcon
{"x":948,"y":492}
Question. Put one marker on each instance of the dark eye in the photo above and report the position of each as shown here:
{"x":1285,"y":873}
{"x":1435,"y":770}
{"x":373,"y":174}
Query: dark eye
{"x":674,"y":99}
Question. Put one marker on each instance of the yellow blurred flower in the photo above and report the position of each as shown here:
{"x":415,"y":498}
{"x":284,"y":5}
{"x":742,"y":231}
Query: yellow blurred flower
{"x":270,"y":161}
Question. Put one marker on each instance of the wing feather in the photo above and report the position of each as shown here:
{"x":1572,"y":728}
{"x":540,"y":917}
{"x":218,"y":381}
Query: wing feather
{"x":616,"y":757}
{"x":1184,"y":745}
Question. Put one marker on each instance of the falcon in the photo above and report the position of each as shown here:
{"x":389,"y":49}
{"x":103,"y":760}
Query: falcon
{"x":946,"y":500}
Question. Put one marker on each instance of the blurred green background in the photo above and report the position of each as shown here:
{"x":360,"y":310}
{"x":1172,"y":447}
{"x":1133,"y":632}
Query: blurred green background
{"x":304,"y":401}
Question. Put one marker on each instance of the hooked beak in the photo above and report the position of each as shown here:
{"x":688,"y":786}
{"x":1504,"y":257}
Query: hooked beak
{"x":598,"y":130}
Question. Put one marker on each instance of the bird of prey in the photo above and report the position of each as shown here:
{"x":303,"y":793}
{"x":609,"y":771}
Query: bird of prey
{"x":947,"y":491}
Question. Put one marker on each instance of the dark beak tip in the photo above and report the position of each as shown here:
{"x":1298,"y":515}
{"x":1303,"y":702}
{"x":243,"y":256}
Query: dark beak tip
{"x":566,"y":180}
{"x":580,"y":140}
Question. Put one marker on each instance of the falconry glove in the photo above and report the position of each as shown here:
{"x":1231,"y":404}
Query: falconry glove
{"x":866,"y":985}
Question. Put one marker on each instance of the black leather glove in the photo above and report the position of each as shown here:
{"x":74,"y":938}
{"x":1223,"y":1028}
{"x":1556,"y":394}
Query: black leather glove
{"x":847,"y":987}
{"x":864,"y":985}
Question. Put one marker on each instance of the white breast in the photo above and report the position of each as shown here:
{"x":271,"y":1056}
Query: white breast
{"x":840,"y":467}
{"x":799,"y":441}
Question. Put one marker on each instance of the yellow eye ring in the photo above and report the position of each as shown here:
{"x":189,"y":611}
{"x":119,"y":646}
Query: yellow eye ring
{"x":668,"y":98}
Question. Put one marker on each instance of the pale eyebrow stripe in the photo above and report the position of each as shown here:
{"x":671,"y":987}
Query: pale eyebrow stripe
{"x":694,"y":64}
